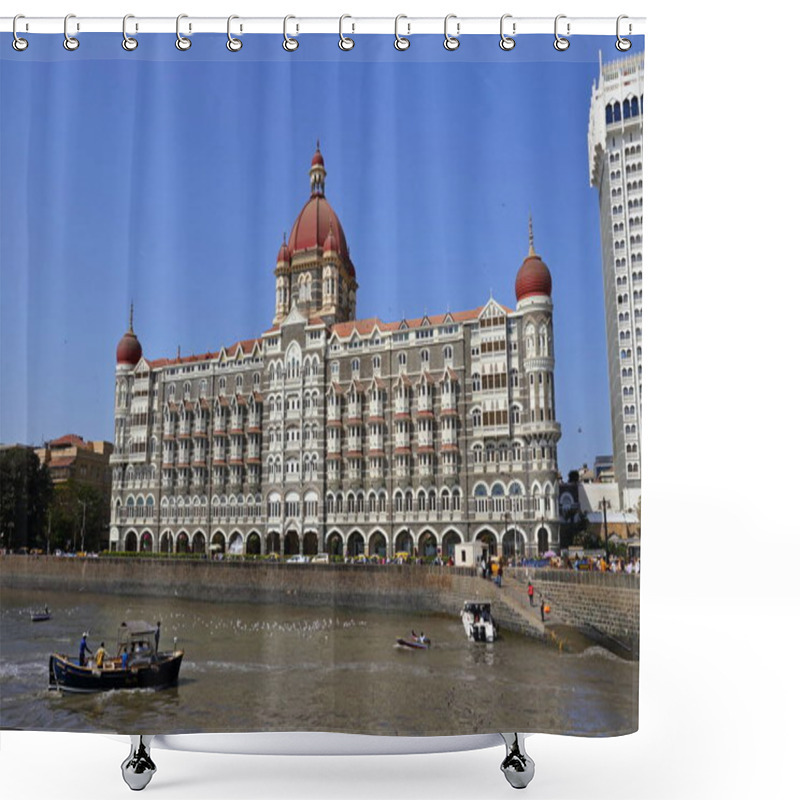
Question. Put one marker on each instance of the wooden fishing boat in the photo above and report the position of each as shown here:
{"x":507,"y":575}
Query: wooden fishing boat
{"x":146,"y":667}
{"x":40,"y":616}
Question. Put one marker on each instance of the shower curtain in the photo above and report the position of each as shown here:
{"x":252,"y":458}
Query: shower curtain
{"x":325,"y":370}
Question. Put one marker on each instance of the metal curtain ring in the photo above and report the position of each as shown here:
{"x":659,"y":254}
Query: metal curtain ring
{"x":561,"y":43}
{"x":289,"y":43}
{"x":506,"y":42}
{"x":181,"y":42}
{"x":70,"y":42}
{"x":233,"y":44}
{"x":18,"y":43}
{"x":128,"y":42}
{"x":400,"y":42}
{"x":450,"y":42}
{"x":345,"y":43}
{"x":623,"y":44}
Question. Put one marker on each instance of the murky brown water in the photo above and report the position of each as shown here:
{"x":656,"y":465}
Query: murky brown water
{"x":273,"y":668}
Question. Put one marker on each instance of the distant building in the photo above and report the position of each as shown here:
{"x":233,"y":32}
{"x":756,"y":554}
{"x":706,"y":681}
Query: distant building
{"x":604,"y":469}
{"x":589,"y":497}
{"x":616,"y":122}
{"x":71,"y":458}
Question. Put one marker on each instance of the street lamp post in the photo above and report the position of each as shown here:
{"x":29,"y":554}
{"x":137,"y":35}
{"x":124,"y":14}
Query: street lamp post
{"x":83,"y":526}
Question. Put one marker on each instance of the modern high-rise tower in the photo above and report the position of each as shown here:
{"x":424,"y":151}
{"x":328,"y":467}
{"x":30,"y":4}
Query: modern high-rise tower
{"x":616,"y":122}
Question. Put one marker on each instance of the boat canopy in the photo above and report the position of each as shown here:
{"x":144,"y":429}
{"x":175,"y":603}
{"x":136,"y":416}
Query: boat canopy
{"x":136,"y":627}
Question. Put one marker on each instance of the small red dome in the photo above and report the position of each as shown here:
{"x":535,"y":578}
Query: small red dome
{"x":129,"y":351}
{"x":533,"y":278}
{"x":316,"y":159}
{"x":284,"y":255}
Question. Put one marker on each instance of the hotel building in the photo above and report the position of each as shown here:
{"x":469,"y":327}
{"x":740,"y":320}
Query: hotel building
{"x":329,"y":433}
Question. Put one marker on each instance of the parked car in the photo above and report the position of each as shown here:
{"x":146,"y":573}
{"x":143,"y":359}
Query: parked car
{"x":298,"y":559}
{"x":320,"y":558}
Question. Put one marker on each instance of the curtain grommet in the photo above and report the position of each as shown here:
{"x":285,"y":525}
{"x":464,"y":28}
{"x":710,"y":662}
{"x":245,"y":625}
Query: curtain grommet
{"x":70,"y":42}
{"x":451,"y":43}
{"x":18,"y":43}
{"x":181,"y":42}
{"x":290,"y":44}
{"x":401,"y":43}
{"x":233,"y":44}
{"x":507,"y":42}
{"x":622,"y":44}
{"x":128,"y":42}
{"x":345,"y":42}
{"x":561,"y":44}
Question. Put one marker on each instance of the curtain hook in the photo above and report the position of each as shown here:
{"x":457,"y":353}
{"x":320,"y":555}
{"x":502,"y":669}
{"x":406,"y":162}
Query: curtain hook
{"x":181,"y":42}
{"x":507,"y":42}
{"x":450,"y":42}
{"x":128,"y":42}
{"x":233,"y":44}
{"x":70,"y":42}
{"x":400,"y":42}
{"x":345,"y":43}
{"x":19,"y":44}
{"x":561,"y":43}
{"x":290,"y":44}
{"x":623,"y":44}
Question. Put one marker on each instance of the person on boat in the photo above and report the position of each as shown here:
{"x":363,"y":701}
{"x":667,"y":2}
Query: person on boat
{"x":84,"y":649}
{"x":158,"y":634}
{"x":125,"y":658}
{"x":100,"y":655}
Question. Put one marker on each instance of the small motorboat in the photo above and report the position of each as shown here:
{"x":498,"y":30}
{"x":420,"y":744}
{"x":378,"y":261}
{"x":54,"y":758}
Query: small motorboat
{"x":479,"y":624}
{"x":146,"y":667}
{"x":40,"y":616}
{"x":421,"y":642}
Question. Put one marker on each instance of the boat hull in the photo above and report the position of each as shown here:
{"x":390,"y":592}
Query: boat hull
{"x":480,"y":631}
{"x":412,"y":644}
{"x":68,"y":676}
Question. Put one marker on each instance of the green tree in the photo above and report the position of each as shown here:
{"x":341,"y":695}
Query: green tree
{"x":25,"y":494}
{"x":68,"y":525}
{"x":575,"y":526}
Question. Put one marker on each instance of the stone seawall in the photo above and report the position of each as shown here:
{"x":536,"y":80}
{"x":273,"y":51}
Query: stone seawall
{"x":605,"y":602}
{"x":419,"y":588}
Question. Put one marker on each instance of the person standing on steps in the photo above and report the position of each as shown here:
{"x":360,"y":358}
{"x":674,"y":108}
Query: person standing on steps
{"x":530,"y":593}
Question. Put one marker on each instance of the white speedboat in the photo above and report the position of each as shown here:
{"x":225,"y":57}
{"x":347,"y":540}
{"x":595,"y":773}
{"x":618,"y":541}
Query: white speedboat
{"x":478,"y":622}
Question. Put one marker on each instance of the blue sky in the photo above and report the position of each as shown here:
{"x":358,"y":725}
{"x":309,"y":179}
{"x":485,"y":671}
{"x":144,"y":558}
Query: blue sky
{"x":168,"y":179}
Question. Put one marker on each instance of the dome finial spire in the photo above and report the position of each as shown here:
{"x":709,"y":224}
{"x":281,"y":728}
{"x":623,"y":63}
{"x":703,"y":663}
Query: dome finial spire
{"x":130,"y":320}
{"x":531,"y":251}
{"x":317,"y":173}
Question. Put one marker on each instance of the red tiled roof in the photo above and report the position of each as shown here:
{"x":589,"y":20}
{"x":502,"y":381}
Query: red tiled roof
{"x":70,"y":440}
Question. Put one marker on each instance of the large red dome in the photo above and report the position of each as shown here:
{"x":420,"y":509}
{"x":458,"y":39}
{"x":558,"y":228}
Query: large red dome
{"x":313,"y":225}
{"x":129,"y":350}
{"x":533,"y":278}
